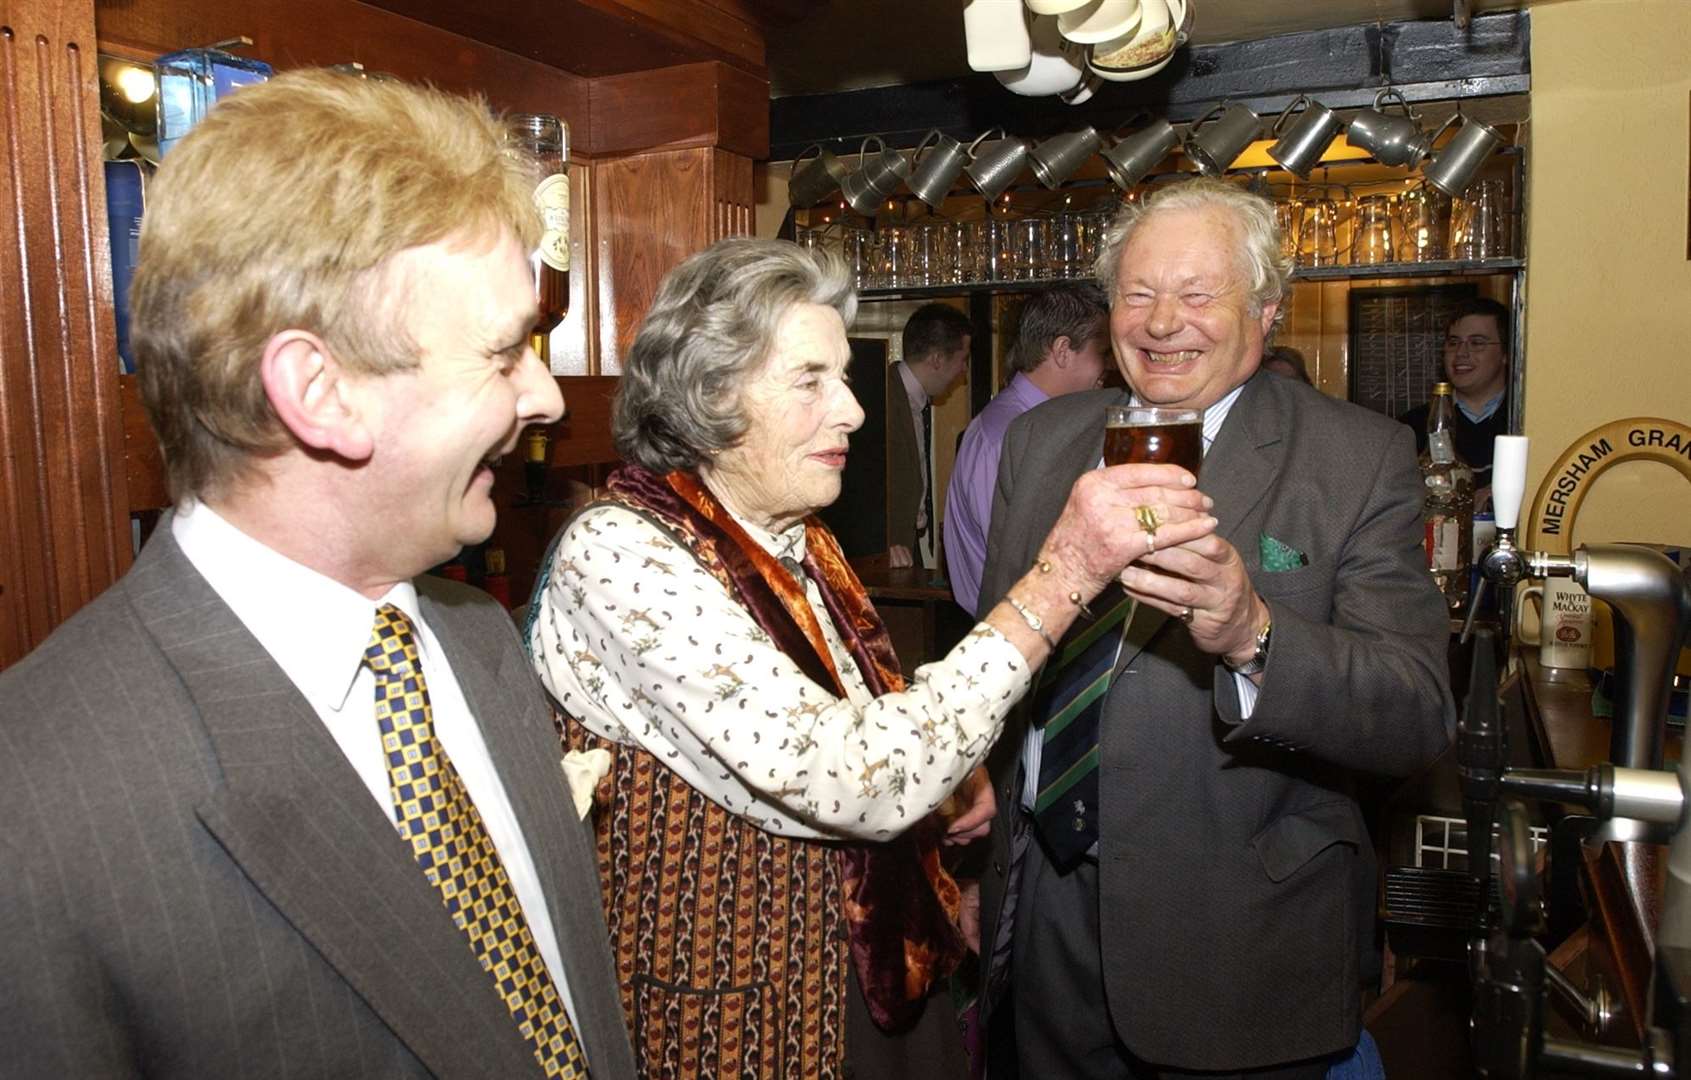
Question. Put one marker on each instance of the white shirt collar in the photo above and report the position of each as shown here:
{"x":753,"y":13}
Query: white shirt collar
{"x":787,"y":544}
{"x":913,"y":389}
{"x":315,"y":628}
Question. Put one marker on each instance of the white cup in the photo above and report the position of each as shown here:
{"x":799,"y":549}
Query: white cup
{"x":1563,"y":629}
{"x":1056,"y":66}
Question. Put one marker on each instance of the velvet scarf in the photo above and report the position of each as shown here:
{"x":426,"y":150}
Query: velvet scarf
{"x":901,"y":905}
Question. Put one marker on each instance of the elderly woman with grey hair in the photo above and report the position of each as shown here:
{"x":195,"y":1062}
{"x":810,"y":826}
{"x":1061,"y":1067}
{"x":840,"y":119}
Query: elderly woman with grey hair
{"x":768,"y":828}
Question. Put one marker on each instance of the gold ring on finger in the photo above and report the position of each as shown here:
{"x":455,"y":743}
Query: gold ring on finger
{"x":1149,"y":518}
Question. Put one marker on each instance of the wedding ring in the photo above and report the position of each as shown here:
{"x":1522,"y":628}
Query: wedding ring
{"x":1150,"y":542}
{"x":1186,"y":615}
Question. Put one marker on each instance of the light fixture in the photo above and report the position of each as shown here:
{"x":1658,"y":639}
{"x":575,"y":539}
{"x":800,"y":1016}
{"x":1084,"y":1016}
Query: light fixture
{"x":136,"y":84}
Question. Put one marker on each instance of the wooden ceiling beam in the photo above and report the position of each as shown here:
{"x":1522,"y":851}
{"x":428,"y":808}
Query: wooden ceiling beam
{"x":593,"y":38}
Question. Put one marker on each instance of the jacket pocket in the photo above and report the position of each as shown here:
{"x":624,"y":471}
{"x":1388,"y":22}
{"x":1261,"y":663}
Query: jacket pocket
{"x":1287,"y":844}
{"x":685,"y":1031}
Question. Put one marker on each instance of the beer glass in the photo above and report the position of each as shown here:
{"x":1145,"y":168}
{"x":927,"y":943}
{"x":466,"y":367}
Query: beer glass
{"x":1028,"y":244}
{"x":1425,"y":212}
{"x":1065,"y":245}
{"x":1144,"y":434}
{"x":1318,"y":239}
{"x":1374,"y":240}
{"x":1288,"y":219}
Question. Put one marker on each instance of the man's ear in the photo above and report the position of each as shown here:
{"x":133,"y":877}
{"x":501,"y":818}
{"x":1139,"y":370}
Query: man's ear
{"x":1061,"y":352}
{"x":1268,"y":313}
{"x":308,"y":389}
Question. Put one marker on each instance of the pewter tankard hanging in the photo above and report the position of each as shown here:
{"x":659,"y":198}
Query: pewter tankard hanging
{"x":934,"y":174}
{"x":817,"y":178}
{"x":1218,"y":137}
{"x":1392,"y":140}
{"x":878,"y":175}
{"x":996,"y":164}
{"x":1135,"y":155}
{"x":1061,"y":156}
{"x":1301,"y":147}
{"x":1454,"y":168}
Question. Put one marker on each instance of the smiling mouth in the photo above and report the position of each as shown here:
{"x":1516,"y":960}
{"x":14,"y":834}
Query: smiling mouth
{"x":1170,"y":359}
{"x":836,"y":458}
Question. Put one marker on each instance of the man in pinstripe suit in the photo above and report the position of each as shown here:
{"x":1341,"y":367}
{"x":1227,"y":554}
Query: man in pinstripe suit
{"x":202,"y":869}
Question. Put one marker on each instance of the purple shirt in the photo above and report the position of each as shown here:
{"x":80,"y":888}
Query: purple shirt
{"x":974,"y":476}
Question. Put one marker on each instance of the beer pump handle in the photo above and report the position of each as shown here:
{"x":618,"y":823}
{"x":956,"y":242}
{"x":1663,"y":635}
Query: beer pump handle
{"x":1508,"y":479}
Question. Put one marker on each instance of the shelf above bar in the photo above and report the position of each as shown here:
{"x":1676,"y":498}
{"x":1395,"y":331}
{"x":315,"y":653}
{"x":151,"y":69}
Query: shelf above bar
{"x":1442,"y":268}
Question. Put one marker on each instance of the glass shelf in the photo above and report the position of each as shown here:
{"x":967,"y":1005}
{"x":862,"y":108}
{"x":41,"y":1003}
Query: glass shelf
{"x":1442,"y":268}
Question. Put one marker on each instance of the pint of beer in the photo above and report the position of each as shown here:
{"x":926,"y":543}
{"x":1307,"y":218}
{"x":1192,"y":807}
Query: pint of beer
{"x":1143,"y":434}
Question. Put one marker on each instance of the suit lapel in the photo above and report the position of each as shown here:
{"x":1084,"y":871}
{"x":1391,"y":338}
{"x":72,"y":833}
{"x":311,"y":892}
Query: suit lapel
{"x":1238,"y":471}
{"x":294,"y":817}
{"x":508,"y":703}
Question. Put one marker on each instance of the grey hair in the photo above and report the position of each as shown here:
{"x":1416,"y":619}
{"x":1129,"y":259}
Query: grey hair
{"x":1266,"y":269}
{"x":710,"y":328}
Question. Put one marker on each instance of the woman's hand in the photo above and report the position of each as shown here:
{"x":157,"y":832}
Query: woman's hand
{"x":1101,"y":531}
{"x":970,"y":809}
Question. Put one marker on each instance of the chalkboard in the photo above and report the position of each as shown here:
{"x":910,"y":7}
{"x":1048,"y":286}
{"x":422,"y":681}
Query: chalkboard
{"x":1397,"y":343}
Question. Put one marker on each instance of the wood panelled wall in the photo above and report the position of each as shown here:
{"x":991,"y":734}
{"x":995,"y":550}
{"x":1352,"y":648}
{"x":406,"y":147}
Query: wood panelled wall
{"x":651,"y":211}
{"x":76,"y":456}
{"x":64,"y":516}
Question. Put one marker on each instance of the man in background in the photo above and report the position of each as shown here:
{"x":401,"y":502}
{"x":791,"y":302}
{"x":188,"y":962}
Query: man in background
{"x":936,"y":356}
{"x":275,"y":803}
{"x":1476,"y":362}
{"x":1062,"y":346}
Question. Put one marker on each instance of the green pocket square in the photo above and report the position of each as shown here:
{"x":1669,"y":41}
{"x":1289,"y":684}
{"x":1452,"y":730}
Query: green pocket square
{"x":1279,"y":556}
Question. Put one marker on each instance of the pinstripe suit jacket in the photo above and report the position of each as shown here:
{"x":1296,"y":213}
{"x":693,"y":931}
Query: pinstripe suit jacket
{"x":1234,"y":867}
{"x":196,"y":883}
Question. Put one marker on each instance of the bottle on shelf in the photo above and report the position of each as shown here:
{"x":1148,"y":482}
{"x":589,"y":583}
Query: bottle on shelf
{"x":546,"y":139}
{"x":495,"y":582}
{"x":537,"y":449}
{"x":1447,"y":502}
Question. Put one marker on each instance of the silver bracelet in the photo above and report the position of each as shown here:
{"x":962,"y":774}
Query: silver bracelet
{"x":1035,"y":623}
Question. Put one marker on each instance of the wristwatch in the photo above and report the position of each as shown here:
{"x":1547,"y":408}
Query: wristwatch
{"x":1258,"y":659}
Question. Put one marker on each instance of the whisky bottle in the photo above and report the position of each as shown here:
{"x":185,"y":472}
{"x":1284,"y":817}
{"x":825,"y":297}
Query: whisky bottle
{"x":1447,"y":502}
{"x":545,"y":139}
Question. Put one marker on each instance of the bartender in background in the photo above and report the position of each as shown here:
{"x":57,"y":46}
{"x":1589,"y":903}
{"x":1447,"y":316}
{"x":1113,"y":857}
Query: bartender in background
{"x":1476,"y":361}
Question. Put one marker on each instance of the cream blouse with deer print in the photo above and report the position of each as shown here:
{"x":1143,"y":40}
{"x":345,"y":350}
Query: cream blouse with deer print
{"x":644,"y":646}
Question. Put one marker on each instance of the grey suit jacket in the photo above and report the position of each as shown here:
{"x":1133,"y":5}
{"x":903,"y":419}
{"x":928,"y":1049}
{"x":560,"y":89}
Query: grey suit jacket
{"x":196,"y":883}
{"x":1233,"y":859}
{"x":905,"y":483}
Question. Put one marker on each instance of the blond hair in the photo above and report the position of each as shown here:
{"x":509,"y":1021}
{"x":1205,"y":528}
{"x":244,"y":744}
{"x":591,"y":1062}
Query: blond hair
{"x":279,"y":211}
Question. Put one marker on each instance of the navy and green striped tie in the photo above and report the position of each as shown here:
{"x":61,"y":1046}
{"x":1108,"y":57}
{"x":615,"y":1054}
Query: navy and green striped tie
{"x":1067,"y":706}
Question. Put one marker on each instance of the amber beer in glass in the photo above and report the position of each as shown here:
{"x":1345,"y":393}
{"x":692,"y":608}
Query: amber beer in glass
{"x":1147,"y":435}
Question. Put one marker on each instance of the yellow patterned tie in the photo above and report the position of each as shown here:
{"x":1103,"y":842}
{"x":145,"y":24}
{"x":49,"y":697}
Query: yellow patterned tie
{"x":451,"y":844}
